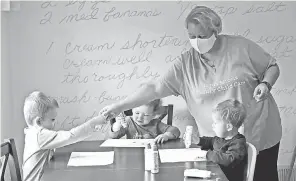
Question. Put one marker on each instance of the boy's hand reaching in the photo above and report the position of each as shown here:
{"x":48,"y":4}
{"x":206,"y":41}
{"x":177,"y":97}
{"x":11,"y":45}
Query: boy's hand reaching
{"x":161,"y":138}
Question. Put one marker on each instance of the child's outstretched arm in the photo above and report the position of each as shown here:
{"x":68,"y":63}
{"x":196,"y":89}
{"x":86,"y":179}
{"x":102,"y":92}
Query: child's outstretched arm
{"x":49,"y":139}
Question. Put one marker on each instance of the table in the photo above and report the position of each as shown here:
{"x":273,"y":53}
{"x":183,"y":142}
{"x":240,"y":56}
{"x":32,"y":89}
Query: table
{"x":128,"y":165}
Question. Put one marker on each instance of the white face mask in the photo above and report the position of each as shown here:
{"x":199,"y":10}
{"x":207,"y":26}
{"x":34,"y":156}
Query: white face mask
{"x":203,"y":45}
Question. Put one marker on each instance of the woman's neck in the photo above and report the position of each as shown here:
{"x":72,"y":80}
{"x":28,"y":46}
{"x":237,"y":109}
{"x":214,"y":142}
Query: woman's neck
{"x":217,"y":47}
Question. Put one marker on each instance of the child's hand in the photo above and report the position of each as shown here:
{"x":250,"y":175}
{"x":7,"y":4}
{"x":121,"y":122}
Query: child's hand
{"x":117,"y":125}
{"x":161,"y":138}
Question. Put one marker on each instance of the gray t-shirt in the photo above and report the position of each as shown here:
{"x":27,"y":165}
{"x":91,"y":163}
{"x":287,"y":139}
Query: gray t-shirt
{"x":240,"y":65}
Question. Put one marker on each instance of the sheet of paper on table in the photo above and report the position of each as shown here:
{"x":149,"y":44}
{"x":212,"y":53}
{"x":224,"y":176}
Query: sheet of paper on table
{"x":182,"y":155}
{"x":126,"y":142}
{"x":91,"y":158}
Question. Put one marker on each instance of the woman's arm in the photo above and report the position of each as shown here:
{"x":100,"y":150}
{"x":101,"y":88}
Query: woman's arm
{"x":271,"y":74}
{"x":143,"y":95}
{"x":169,"y":84}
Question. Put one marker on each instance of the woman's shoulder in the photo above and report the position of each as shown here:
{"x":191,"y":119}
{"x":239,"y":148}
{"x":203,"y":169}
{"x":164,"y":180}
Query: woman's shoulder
{"x":236,"y":39}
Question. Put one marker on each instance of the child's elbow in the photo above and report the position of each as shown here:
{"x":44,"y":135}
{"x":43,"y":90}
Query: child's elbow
{"x":177,"y":132}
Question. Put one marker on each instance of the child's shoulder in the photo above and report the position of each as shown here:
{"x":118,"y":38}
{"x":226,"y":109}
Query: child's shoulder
{"x":239,"y":140}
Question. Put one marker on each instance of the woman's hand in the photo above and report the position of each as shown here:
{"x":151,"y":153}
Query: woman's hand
{"x":110,"y":111}
{"x":261,"y":92}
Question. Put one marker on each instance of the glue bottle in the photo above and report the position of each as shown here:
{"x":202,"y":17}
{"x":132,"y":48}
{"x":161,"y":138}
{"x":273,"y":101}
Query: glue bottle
{"x":122,"y":117}
{"x":155,"y":159}
{"x":148,"y":153}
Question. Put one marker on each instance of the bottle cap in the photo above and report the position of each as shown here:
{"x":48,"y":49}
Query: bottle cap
{"x":154,"y":147}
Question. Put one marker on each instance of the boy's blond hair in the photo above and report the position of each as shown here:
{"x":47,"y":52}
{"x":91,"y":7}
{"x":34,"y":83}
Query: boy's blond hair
{"x":231,"y":111}
{"x":37,"y":104}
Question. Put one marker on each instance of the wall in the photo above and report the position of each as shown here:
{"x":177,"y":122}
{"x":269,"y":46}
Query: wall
{"x":88,"y":55}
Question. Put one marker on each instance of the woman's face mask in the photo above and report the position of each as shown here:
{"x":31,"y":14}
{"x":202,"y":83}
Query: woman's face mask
{"x":203,"y":45}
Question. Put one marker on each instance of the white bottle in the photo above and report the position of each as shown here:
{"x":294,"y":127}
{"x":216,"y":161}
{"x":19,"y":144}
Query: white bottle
{"x":148,"y":156}
{"x":123,"y":122}
{"x":188,"y":136}
{"x":155,"y":159}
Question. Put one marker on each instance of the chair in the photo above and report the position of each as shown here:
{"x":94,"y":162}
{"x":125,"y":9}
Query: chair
{"x":251,"y":163}
{"x":291,"y":165}
{"x":8,"y":150}
{"x":163,"y":112}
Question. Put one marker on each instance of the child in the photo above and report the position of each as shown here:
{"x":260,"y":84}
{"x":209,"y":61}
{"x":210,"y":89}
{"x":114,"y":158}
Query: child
{"x":143,"y":125}
{"x":228,"y":148}
{"x":40,"y":113}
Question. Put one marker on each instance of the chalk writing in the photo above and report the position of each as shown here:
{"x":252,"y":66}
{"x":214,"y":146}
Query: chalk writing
{"x":48,"y":4}
{"x":279,"y":40}
{"x":113,"y":14}
{"x":84,"y":98}
{"x":281,"y":53}
{"x":81,"y":4}
{"x":164,"y":40}
{"x":143,"y":57}
{"x":245,"y":33}
{"x":49,"y":48}
{"x":183,"y":118}
{"x":272,"y":7}
{"x":73,"y":2}
{"x":80,"y":17}
{"x":223,"y":11}
{"x":75,"y":120}
{"x":285,"y":91}
{"x":185,"y":8}
{"x":95,"y":3}
{"x":106,"y":97}
{"x":287,"y":131}
{"x":122,"y":77}
{"x":47,"y":18}
{"x":287,"y":110}
{"x":282,"y":42}
{"x":172,"y":58}
{"x":284,"y":151}
{"x":70,"y":63}
{"x":117,"y":60}
{"x":71,"y":78}
{"x":84,"y":48}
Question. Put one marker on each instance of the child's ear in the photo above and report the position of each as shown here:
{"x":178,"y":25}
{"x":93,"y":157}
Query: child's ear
{"x":37,"y":121}
{"x":229,"y":127}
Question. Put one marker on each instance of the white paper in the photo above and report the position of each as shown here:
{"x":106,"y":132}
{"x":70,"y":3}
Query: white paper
{"x":126,"y":142}
{"x":91,"y":158}
{"x":197,"y":173}
{"x":182,"y":155}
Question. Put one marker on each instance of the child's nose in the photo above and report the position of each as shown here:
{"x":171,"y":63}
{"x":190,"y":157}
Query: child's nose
{"x":141,"y":116}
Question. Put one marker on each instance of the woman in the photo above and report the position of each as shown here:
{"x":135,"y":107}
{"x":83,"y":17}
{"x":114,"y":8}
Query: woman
{"x":220,"y":67}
